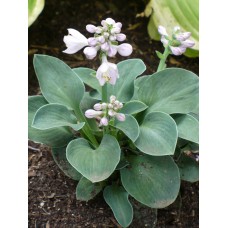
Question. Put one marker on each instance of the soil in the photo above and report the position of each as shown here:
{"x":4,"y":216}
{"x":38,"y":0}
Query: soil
{"x":52,"y":200}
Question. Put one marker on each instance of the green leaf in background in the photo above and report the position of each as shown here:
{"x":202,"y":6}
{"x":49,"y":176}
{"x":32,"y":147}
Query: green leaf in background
{"x":95,"y":165}
{"x":117,"y":198}
{"x":56,"y":137}
{"x":58,"y":82}
{"x":128,"y":71}
{"x":153,"y":181}
{"x":158,"y":135}
{"x":35,"y":7}
{"x":171,"y":13}
{"x":133,"y":107}
{"x":59,"y":156}
{"x":189,"y":168}
{"x":188,"y":127}
{"x":88,"y":76}
{"x":86,"y":190}
{"x":55,"y":115}
{"x":173,"y":90}
{"x":129,"y":127}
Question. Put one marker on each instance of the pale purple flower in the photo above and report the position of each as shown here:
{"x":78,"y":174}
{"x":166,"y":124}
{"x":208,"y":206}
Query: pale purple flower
{"x":120,"y":37}
{"x":91,"y":28}
{"x":112,"y":37}
{"x":101,"y":39}
{"x":97,"y":107}
{"x":187,"y":43}
{"x":107,"y":72}
{"x":103,"y":121}
{"x":183,"y":36}
{"x":112,"y":50}
{"x":120,"y":116}
{"x":118,"y":25}
{"x":90,"y":113}
{"x":90,"y":52}
{"x":124,"y":49}
{"x":92,"y":41}
{"x":111,"y":112}
{"x":75,"y":41}
{"x":164,"y":40}
{"x":177,"y":50}
{"x":109,"y":21}
{"x":162,"y":31}
{"x":115,"y":30}
{"x":105,"y":46}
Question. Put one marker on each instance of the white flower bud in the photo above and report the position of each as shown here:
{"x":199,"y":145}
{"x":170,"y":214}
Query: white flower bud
{"x":112,"y":99}
{"x":112,"y":50}
{"x":105,"y":46}
{"x":98,"y":30}
{"x":164,"y":40}
{"x":112,"y":38}
{"x":106,"y":34}
{"x":116,"y":103}
{"x":110,"y":21}
{"x":110,"y":106}
{"x":115,"y":30}
{"x":176,"y":29}
{"x":120,"y":37}
{"x":162,"y":31}
{"x":97,"y":107}
{"x":91,"y":28}
{"x":125,"y":49}
{"x":92,"y":41}
{"x":104,"y":105}
{"x":90,"y":52}
{"x":101,"y":39}
{"x":120,"y":105}
{"x":120,"y":116}
{"x":111,"y":113}
{"x":104,"y":121}
{"x":118,"y":25}
{"x":90,"y":113}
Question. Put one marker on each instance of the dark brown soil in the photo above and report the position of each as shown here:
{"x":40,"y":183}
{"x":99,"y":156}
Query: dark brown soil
{"x":52,"y":200}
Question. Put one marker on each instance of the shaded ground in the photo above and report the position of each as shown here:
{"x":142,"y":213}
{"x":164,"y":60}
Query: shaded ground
{"x":52,"y":200}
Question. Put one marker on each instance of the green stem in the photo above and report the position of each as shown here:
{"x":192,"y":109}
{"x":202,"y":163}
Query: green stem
{"x":162,"y":64}
{"x":104,"y":93}
{"x":86,"y":128}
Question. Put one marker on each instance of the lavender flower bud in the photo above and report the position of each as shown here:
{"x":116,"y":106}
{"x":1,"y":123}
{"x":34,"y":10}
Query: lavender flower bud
{"x":105,"y":46}
{"x":97,"y":107}
{"x":110,"y":106}
{"x":177,"y":50}
{"x":92,"y":41}
{"x":187,"y":43}
{"x":112,"y":99}
{"x":112,"y":50}
{"x":183,"y":36}
{"x":111,"y":113}
{"x":115,"y":30}
{"x":104,"y":105}
{"x":91,"y":28}
{"x":110,"y":21}
{"x":120,"y":37}
{"x":118,"y":25}
{"x":90,"y":52}
{"x":104,"y":121}
{"x":162,"y":31}
{"x":90,"y":113}
{"x":120,"y":116}
{"x":125,"y":49}
{"x":101,"y":39}
{"x":112,"y":38}
{"x":106,"y":34}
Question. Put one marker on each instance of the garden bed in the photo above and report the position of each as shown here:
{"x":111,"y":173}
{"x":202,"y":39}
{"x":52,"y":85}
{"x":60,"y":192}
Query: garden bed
{"x":52,"y":200}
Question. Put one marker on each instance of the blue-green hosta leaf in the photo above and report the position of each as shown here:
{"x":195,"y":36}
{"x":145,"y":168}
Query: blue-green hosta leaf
{"x":128,"y":71}
{"x":58,"y":82}
{"x":188,"y":127}
{"x":153,"y":181}
{"x":158,"y":135}
{"x":173,"y":90}
{"x":133,"y":107}
{"x":137,"y":84}
{"x":56,"y":137}
{"x":95,"y":165}
{"x":35,"y":7}
{"x":189,"y":168}
{"x":59,"y":155}
{"x":88,"y":76}
{"x":86,"y":190}
{"x":129,"y":127}
{"x":117,"y":198}
{"x":170,"y":13}
{"x":55,"y":115}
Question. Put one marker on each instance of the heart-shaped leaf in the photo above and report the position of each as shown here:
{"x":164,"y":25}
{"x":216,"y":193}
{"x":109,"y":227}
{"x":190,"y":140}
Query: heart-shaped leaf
{"x":59,"y":155}
{"x":56,"y":137}
{"x":153,"y":181}
{"x":86,"y":190}
{"x":128,"y":71}
{"x":95,"y":165}
{"x":88,"y":76}
{"x":129,"y":127}
{"x":189,"y":168}
{"x":188,"y":127}
{"x":55,"y":115}
{"x":58,"y":82}
{"x":117,"y":198}
{"x":158,"y":135}
{"x":173,"y":90}
{"x":133,"y":107}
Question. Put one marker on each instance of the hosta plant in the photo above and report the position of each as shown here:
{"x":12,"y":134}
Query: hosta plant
{"x":130,"y":136}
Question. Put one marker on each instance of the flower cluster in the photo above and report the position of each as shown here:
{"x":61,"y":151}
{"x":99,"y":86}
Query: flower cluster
{"x":105,"y":111}
{"x":179,"y":41}
{"x":105,"y":40}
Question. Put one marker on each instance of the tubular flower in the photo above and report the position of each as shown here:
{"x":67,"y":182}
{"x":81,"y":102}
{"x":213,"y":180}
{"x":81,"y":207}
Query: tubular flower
{"x":74,"y":41}
{"x":179,"y":41}
{"x":107,"y":72}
